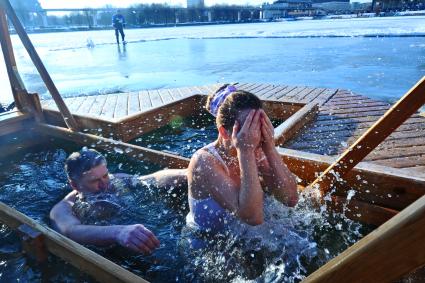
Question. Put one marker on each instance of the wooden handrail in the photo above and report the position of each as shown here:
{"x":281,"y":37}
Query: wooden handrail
{"x":296,"y":122}
{"x":66,"y":114}
{"x":84,"y":259}
{"x":391,"y":251}
{"x":393,"y":118}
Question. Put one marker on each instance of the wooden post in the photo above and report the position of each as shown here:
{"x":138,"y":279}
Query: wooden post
{"x":66,"y":114}
{"x":296,"y":122}
{"x":33,"y":243}
{"x":393,"y":118}
{"x":9,"y":58}
{"x":391,"y":251}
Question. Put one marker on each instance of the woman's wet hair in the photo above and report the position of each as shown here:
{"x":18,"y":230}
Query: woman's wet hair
{"x":82,"y":161}
{"x":233,"y":104}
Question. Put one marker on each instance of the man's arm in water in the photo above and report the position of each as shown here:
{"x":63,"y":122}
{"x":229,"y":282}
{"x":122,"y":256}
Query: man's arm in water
{"x":168,"y":178}
{"x":135,"y":237}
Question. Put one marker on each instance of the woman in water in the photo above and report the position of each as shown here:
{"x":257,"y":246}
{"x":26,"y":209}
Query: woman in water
{"x":229,"y":176}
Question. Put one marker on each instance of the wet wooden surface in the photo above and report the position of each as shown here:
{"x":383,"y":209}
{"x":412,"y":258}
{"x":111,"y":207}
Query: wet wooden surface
{"x":343,"y":117}
{"x":346,"y":116}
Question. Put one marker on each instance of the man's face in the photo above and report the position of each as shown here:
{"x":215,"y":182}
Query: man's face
{"x":94,"y":181}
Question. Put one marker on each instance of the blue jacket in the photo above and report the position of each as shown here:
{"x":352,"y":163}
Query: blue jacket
{"x":118,"y":21}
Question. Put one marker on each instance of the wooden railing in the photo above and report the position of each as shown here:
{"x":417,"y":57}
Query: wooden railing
{"x":397,"y":247}
{"x":6,"y":8}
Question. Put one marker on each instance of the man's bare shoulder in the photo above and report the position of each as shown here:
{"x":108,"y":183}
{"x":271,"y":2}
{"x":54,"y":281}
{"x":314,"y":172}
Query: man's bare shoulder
{"x":67,"y":202}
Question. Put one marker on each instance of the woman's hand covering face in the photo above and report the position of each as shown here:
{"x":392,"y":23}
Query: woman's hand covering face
{"x":248,"y":137}
{"x":267,"y":132}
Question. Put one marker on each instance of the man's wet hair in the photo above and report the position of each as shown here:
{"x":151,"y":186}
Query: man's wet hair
{"x":82,"y":161}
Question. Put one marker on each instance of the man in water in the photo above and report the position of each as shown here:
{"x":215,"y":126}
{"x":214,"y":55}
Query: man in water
{"x":89,"y":178}
{"x":118,"y":22}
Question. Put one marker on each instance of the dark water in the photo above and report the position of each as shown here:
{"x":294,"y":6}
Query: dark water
{"x":289,"y":245}
{"x":184,"y":136}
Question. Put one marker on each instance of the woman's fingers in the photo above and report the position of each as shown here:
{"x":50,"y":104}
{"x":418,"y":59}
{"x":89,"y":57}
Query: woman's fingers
{"x":268,"y":131}
{"x":267,"y":119}
{"x":248,"y":121}
{"x":255,"y":124}
{"x":235,"y":130}
{"x":264,"y":132}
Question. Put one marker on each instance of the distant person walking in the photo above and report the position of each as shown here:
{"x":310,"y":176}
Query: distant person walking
{"x":118,"y":22}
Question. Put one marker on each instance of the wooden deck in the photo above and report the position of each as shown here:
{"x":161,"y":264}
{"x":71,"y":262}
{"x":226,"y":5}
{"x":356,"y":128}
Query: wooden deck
{"x":118,"y":106}
{"x":346,"y":116}
{"x":342,"y":118}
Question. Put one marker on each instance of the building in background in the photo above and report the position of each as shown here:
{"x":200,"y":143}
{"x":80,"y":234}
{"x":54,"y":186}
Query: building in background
{"x":287,"y":8}
{"x":333,"y":7}
{"x":195,"y":3}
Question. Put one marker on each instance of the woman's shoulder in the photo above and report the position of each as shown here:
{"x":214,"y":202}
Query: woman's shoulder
{"x":204,"y":160}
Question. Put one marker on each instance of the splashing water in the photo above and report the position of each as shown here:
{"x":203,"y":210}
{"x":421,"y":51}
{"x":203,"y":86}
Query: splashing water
{"x":292,"y":243}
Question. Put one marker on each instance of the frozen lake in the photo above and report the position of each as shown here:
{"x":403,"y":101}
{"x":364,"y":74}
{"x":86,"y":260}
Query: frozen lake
{"x":341,"y":53}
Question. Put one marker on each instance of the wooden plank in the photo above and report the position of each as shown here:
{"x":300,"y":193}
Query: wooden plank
{"x":295,"y":123}
{"x":247,"y":86}
{"x":325,"y":116}
{"x":85,"y":106}
{"x":202,"y":90}
{"x":134,"y":151}
{"x":324,"y":126}
{"x":155,"y":98}
{"x":253,"y":87}
{"x":185,"y":91}
{"x":401,"y":143}
{"x":82,"y":258}
{"x":272,"y":94}
{"x":214,"y":87}
{"x":387,"y":153}
{"x":403,"y":162}
{"x":295,"y":91}
{"x":145,"y":101}
{"x":108,"y":109}
{"x":336,"y":111}
{"x":300,"y":96}
{"x":154,"y":118}
{"x":356,"y":105}
{"x":325,"y":96}
{"x":265,"y":91}
{"x":347,"y":100}
{"x":371,"y":182}
{"x":133,"y":103}
{"x":97,"y":105}
{"x":50,"y":103}
{"x":14,"y":122}
{"x":398,"y":113}
{"x":391,"y":251}
{"x":416,"y":170}
{"x":9,"y":60}
{"x":121,"y":106}
{"x":165,"y":96}
{"x":315,"y":93}
{"x":77,"y":102}
{"x":283,"y":93}
{"x":353,"y":131}
{"x":67,"y":116}
{"x":175,"y":93}
{"x":362,"y":211}
{"x":347,"y":120}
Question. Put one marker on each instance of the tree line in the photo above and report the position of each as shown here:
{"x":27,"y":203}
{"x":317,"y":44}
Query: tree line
{"x":136,"y":16}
